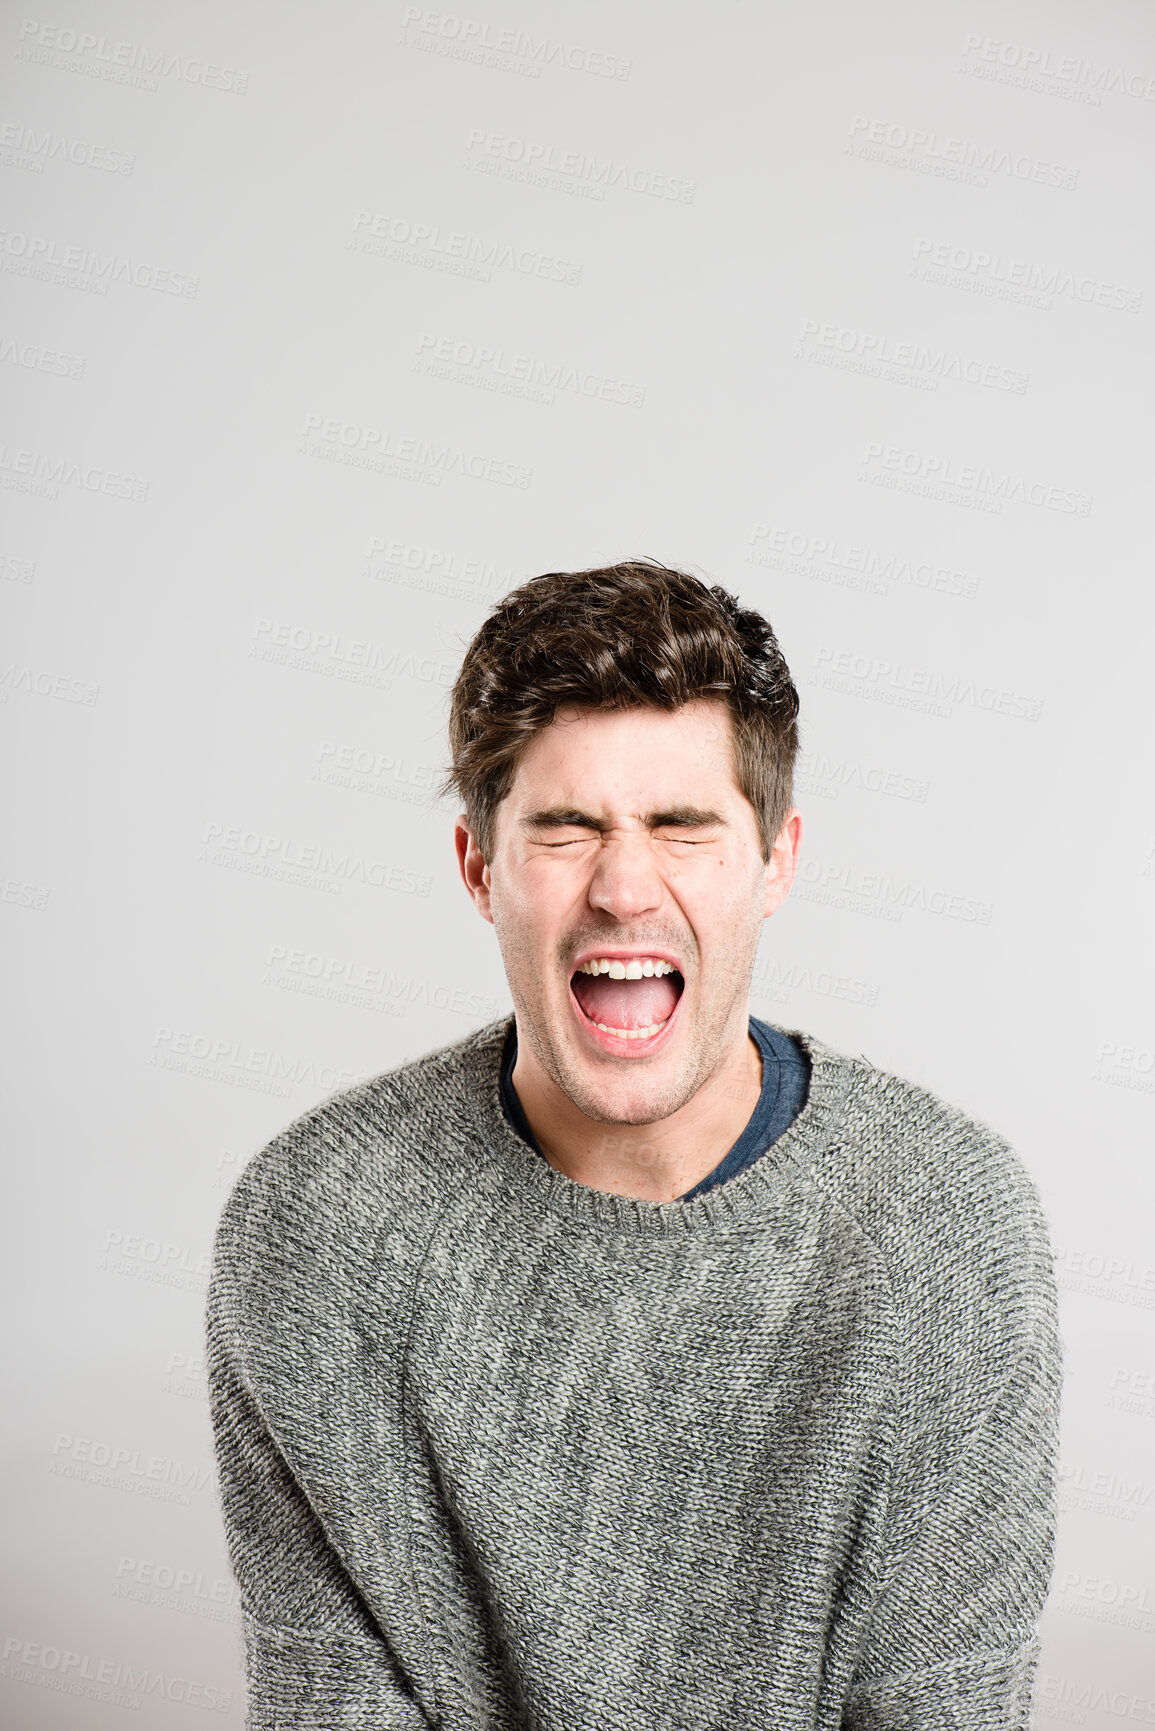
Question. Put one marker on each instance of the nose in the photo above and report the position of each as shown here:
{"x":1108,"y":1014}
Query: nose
{"x":626,"y":881}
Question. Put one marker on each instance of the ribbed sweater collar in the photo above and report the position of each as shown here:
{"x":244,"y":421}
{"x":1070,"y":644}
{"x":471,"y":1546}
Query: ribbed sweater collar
{"x":519,"y":1172}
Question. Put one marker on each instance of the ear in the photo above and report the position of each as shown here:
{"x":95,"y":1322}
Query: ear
{"x":781,"y":865}
{"x":474,"y":871}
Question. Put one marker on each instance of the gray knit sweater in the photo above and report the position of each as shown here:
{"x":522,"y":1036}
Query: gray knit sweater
{"x":497,"y":1449}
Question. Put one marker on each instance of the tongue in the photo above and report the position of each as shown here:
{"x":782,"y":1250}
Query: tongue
{"x":626,"y":1003}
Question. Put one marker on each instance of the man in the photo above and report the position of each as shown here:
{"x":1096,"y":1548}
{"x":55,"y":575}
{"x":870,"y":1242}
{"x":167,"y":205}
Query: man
{"x":633,"y":1363}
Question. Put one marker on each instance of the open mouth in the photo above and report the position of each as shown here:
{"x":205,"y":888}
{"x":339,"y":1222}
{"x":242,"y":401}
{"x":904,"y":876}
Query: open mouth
{"x":629,"y":998}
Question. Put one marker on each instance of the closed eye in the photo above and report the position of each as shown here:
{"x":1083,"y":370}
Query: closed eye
{"x":703,"y":824}
{"x":682,"y":840}
{"x":699,"y":834}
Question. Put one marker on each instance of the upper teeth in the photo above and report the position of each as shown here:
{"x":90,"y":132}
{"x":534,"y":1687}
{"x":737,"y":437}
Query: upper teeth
{"x":635,"y":970}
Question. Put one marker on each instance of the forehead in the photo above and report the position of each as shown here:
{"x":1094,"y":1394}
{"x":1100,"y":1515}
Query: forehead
{"x":631,"y":758}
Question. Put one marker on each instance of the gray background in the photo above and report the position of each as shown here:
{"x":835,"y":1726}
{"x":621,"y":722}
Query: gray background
{"x":323,"y":327}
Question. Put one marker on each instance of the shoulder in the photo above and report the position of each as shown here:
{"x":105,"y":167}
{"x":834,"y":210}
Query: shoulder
{"x":946,"y":1200}
{"x":906,"y":1158}
{"x":378,"y":1155}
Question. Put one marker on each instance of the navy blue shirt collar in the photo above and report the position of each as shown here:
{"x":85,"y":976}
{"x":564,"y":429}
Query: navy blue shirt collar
{"x":785,"y":1079}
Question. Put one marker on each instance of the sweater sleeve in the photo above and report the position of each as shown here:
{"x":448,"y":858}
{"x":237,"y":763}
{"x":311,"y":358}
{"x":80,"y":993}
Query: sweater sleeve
{"x":315,"y":1659}
{"x":952,"y":1641}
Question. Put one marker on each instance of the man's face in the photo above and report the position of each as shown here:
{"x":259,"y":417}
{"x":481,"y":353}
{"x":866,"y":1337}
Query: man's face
{"x":625,"y":841}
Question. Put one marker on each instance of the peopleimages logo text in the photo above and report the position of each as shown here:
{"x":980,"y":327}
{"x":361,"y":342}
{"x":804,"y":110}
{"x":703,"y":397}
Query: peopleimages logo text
{"x":474,"y":35}
{"x":40,"y":252}
{"x":102,"y":57}
{"x":573,"y":168}
{"x":37,"y":472}
{"x":1069,"y":69}
{"x":878,"y":352}
{"x":443,"y":248}
{"x":994,"y":273}
{"x":37,"y":148}
{"x":374,"y":448}
{"x":997,"y":485}
{"x":928,"y":148}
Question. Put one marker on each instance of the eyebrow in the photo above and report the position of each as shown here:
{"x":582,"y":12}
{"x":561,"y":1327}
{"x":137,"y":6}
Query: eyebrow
{"x":670,"y":817}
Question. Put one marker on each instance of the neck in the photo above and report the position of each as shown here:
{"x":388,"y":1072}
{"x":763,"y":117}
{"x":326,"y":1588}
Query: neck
{"x":654,"y":1162}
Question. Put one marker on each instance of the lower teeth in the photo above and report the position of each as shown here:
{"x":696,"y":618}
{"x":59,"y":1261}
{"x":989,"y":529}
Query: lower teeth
{"x":633,"y":1033}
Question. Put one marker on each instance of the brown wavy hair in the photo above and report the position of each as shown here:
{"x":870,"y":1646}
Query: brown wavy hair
{"x":619,"y":637}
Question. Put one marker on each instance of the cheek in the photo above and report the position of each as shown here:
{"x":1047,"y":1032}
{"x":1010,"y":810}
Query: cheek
{"x":535,"y":899}
{"x":720,"y":897}
{"x":713,"y":876}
